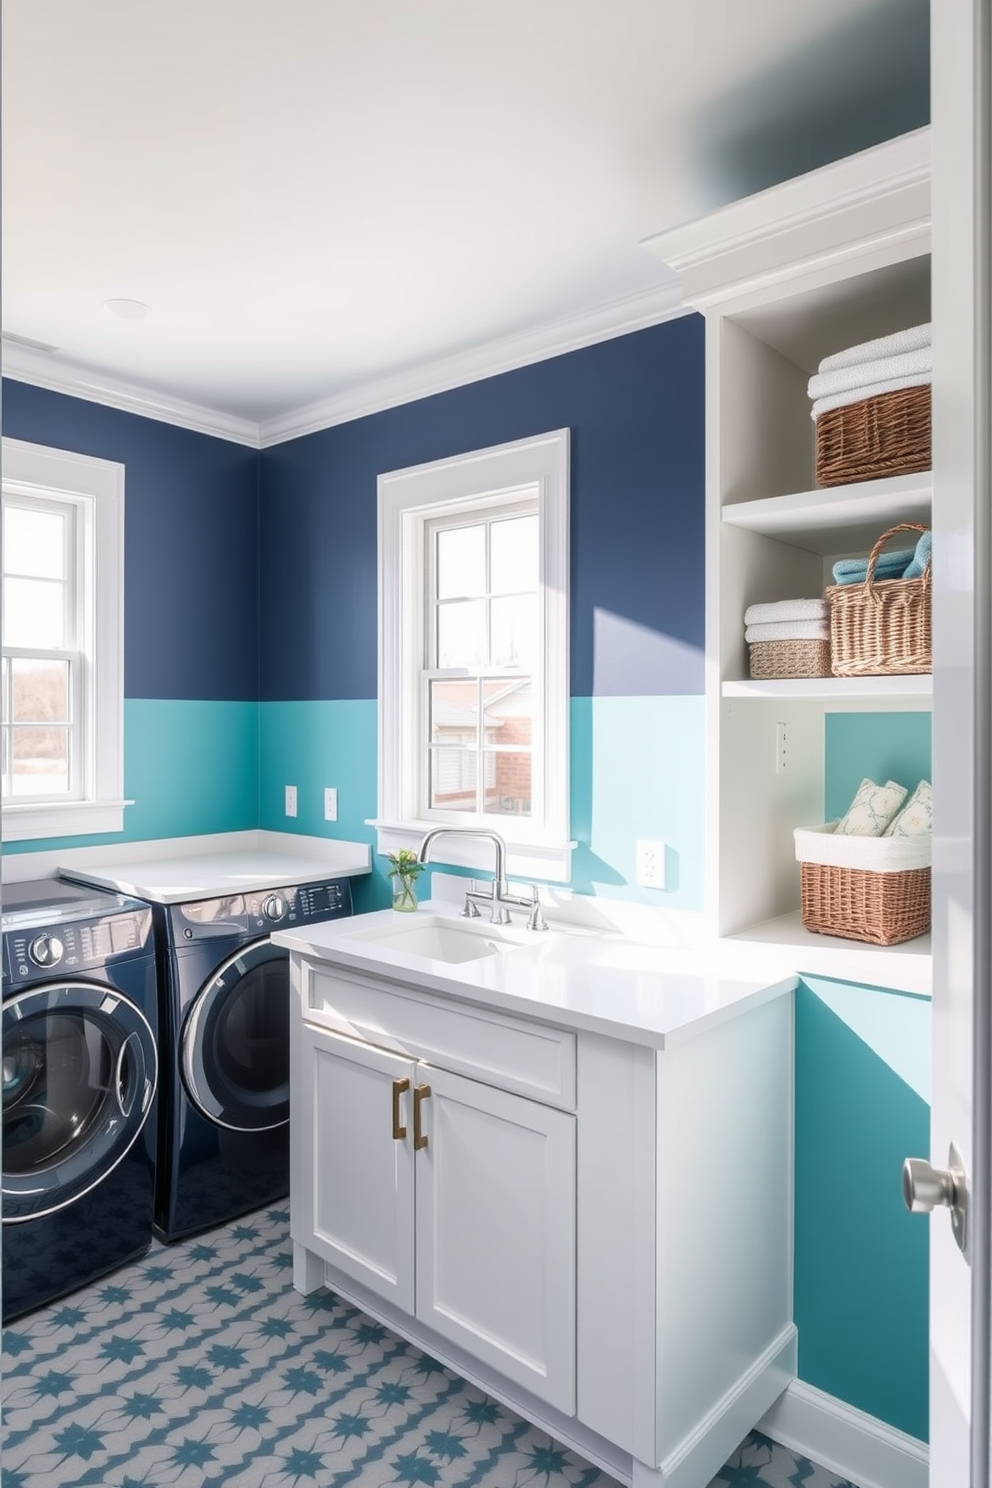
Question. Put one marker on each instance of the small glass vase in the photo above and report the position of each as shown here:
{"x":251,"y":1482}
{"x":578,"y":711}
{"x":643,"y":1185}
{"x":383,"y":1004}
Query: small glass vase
{"x":404,"y":893}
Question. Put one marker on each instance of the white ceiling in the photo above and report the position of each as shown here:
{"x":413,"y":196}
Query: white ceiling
{"x":317,"y":196}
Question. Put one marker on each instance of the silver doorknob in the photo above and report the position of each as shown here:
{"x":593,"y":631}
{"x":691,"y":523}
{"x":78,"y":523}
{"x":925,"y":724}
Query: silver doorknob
{"x":925,"y":1188}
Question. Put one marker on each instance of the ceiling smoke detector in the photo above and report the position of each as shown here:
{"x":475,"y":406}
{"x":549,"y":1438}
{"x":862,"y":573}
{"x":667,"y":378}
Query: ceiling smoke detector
{"x":127,"y":309}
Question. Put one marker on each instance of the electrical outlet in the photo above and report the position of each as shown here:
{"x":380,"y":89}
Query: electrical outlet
{"x":651,"y":865}
{"x":330,"y":803}
{"x":781,"y":748}
{"x":291,"y":800}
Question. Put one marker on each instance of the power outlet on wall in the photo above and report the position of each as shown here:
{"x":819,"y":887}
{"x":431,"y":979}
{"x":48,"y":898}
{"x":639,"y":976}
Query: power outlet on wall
{"x":330,"y":803}
{"x":291,"y":800}
{"x":651,"y":864}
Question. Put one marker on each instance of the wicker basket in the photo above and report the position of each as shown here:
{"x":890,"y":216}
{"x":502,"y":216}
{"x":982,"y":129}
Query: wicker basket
{"x":882,"y":626}
{"x":875,"y":889}
{"x":770,"y":659}
{"x":885,"y":435}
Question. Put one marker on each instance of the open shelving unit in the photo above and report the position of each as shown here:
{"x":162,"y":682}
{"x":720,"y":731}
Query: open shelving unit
{"x":784,"y":278}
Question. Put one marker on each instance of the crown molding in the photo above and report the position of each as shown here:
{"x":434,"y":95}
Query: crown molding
{"x":866,"y":206}
{"x":58,"y":375}
{"x":555,"y":338}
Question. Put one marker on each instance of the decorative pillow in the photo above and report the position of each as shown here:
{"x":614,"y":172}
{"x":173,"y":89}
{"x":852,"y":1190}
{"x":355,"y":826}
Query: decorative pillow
{"x":872,"y":809}
{"x":916,"y":816}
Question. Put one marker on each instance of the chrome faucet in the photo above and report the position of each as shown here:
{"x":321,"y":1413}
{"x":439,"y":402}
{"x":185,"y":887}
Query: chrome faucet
{"x":499,"y":896}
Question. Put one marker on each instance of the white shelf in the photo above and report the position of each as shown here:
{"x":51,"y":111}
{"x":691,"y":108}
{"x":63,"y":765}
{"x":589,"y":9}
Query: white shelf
{"x":838,"y":518}
{"x":906,"y":967}
{"x":913,"y":692}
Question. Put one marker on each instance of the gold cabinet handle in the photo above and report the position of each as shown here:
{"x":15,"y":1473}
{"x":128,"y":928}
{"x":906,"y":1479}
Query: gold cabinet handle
{"x":400,"y":1087}
{"x":420,"y":1094}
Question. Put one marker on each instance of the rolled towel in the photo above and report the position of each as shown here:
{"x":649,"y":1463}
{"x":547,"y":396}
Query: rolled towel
{"x":867,"y":351}
{"x":891,"y":565}
{"x":863,"y":374}
{"x":916,"y":568}
{"x":790,"y":630}
{"x":873,"y":390}
{"x":786,"y":609}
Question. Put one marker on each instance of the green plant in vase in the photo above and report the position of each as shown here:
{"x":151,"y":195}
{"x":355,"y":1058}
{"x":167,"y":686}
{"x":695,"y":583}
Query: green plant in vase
{"x":405,"y":868}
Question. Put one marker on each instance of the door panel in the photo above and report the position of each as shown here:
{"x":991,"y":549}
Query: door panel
{"x":496,"y":1231}
{"x":360,"y":1175}
{"x":960,"y":303}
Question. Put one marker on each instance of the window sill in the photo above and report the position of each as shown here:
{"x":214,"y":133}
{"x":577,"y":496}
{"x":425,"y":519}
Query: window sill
{"x":551,"y":861}
{"x":62,"y":819}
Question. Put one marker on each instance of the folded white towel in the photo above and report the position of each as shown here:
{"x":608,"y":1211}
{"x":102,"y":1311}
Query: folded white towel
{"x":867,"y":351}
{"x":786,"y":609}
{"x":882,"y":369}
{"x":790,"y":630}
{"x":855,"y":395}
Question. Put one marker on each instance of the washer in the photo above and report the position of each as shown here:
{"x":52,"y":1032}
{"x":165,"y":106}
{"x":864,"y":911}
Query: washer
{"x":80,"y":1062}
{"x":225,"y":1125}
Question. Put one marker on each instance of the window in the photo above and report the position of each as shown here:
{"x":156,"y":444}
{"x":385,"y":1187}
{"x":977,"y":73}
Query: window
{"x":473,"y":653}
{"x":62,"y":685}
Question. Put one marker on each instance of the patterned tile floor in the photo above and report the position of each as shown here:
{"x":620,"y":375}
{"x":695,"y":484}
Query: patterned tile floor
{"x":199,"y":1366}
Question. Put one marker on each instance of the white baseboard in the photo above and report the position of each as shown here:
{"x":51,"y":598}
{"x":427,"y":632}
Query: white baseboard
{"x":846,"y":1441}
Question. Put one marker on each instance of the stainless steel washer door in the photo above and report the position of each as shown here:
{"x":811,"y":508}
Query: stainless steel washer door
{"x":79,"y":1075}
{"x":234,"y":1046}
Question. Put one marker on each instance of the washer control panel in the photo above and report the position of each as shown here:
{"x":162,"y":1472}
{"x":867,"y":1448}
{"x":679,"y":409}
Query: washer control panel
{"x":74,"y":947}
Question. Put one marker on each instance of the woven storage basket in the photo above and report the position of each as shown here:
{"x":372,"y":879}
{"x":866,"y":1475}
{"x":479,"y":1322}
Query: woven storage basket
{"x":882,"y":626}
{"x":885,"y":435}
{"x":771,"y":659}
{"x":875,"y":889}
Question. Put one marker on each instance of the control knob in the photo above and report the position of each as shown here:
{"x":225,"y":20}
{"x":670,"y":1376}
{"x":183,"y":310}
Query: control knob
{"x":274,"y":907}
{"x":46,"y":950}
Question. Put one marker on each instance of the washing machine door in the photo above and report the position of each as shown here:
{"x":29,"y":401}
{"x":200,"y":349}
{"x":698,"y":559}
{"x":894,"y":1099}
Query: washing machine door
{"x":79,"y":1075}
{"x":234,"y":1052}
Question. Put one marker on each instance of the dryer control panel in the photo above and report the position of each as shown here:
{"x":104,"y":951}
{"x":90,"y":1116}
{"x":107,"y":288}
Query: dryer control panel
{"x":260,"y":911}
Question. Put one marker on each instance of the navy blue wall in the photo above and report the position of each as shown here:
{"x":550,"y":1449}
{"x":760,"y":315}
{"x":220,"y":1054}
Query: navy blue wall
{"x":634,"y":406}
{"x":191,"y":543}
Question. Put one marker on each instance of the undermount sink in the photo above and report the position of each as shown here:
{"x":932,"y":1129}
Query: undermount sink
{"x":438,"y":939}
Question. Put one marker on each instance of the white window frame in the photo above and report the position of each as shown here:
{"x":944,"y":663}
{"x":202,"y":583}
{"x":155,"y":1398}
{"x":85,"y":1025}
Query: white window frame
{"x":95,"y":488}
{"x":478,"y":482}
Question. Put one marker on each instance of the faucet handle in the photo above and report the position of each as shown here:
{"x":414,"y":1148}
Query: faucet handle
{"x":536,"y":920}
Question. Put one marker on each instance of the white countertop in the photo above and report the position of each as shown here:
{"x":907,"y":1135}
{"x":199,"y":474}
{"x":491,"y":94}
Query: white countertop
{"x":178,"y":880}
{"x":607,"y":984}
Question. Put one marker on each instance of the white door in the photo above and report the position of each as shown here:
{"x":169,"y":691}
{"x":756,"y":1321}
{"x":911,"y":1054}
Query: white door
{"x":360,"y":1163}
{"x":496,"y":1231}
{"x":962,"y":767}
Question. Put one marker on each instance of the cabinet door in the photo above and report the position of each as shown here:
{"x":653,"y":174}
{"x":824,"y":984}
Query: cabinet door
{"x":358,"y":1202}
{"x":496,"y":1231}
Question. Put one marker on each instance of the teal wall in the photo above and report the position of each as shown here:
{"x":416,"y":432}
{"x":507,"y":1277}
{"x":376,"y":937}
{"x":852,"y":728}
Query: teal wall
{"x":861,"y":1260}
{"x":189,"y":768}
{"x":882,"y":746}
{"x":636,"y":771}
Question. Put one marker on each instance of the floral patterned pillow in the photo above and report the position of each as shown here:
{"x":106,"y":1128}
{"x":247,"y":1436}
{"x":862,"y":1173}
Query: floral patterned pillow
{"x":916,"y":816}
{"x":872,"y":809}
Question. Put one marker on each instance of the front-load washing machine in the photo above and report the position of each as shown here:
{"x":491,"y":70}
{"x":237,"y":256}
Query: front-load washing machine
{"x":224,"y":1146}
{"x":79,"y":1087}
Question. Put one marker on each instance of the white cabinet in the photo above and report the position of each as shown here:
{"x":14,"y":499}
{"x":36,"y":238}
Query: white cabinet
{"x":593,"y":1228}
{"x":450,"y":1198}
{"x":785,"y":278}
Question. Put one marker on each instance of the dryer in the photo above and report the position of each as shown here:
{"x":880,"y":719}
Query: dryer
{"x":80,"y":1025}
{"x":224,"y":1147}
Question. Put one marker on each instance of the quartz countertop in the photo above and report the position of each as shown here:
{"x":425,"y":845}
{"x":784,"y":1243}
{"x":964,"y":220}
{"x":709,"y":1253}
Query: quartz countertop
{"x":604,"y":983}
{"x":177,"y":880}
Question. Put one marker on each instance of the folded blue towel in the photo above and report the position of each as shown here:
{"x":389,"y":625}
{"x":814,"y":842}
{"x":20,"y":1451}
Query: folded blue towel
{"x":889,"y":566}
{"x":900,"y":563}
{"x":921,"y":557}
